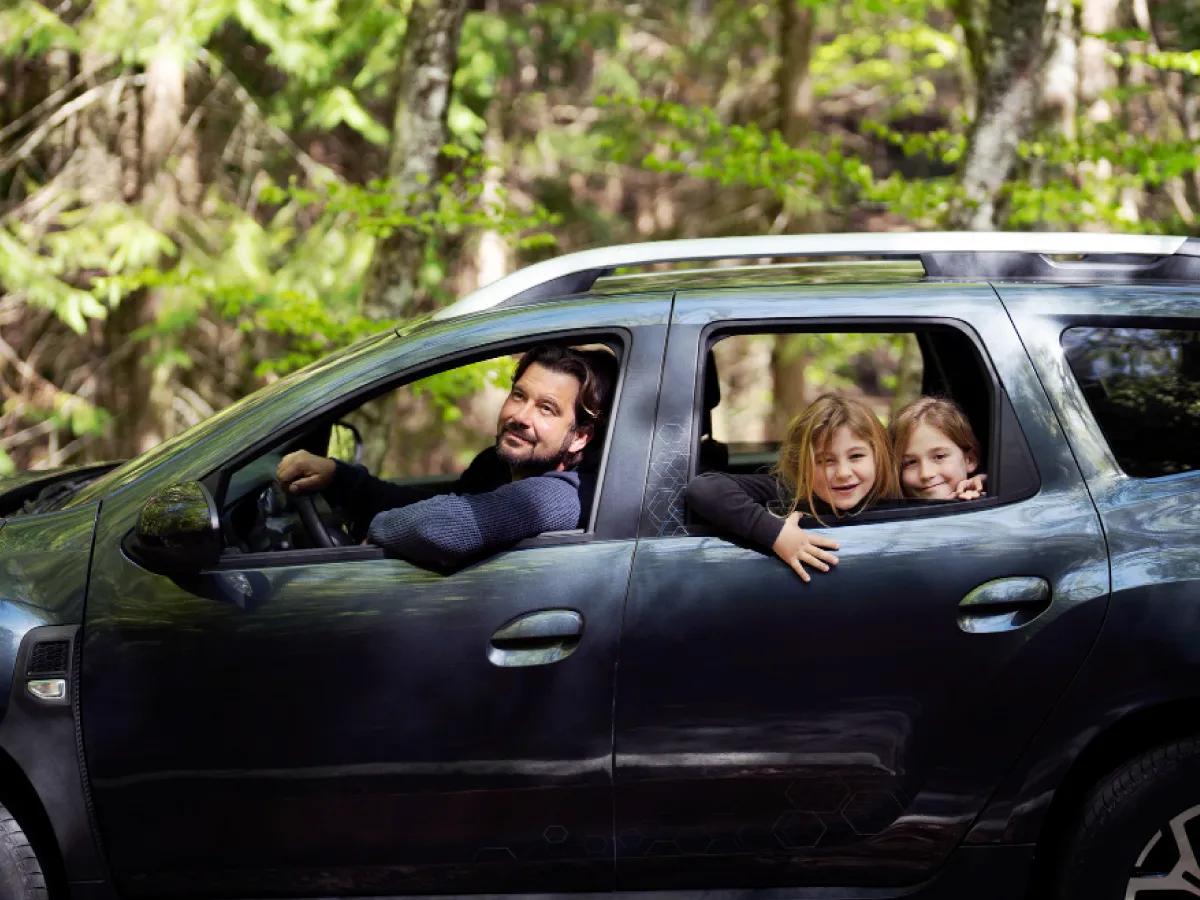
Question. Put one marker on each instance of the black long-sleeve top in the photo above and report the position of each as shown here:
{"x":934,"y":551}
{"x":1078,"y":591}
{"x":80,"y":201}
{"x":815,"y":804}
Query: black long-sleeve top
{"x":755,"y":507}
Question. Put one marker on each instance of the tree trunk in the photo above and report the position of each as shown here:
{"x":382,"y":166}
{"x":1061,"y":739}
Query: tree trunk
{"x":141,"y":396}
{"x":1060,"y":92}
{"x":492,"y":254}
{"x":419,"y":132}
{"x":908,"y":378}
{"x":795,"y":98}
{"x":1015,"y":52}
{"x":796,"y":29}
{"x":788,"y":388}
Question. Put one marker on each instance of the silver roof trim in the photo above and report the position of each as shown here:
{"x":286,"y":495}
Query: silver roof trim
{"x":604,"y":259}
{"x":735,"y":270}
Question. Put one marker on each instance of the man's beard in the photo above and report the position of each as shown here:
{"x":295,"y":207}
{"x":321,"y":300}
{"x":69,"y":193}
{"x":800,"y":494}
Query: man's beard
{"x":539,"y":461}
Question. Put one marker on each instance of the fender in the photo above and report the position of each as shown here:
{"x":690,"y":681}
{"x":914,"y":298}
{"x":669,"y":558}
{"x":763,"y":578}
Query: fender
{"x":1136,"y":690}
{"x":44,"y":562}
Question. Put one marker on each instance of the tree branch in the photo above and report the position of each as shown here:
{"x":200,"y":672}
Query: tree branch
{"x":17,"y":124}
{"x":83,"y":101}
{"x":317,"y":172}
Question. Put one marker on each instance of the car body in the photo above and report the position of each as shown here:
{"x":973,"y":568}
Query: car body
{"x":923,"y":722}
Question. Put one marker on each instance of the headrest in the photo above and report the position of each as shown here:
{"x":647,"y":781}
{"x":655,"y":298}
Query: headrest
{"x":712,"y":384}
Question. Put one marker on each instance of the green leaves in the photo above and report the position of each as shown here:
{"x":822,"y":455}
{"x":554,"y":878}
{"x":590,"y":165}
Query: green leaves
{"x":337,"y":106}
{"x":31,"y":29}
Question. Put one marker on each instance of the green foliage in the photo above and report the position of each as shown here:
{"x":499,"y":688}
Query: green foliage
{"x":448,"y":389}
{"x":29,"y":28}
{"x":1061,"y":182}
{"x":833,"y":362}
{"x":34,"y":278}
{"x":339,"y":106}
{"x":900,"y":61}
{"x":62,"y":410}
{"x":602,"y":122}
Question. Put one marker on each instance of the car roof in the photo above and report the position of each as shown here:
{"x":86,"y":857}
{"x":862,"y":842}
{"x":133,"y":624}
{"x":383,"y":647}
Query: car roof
{"x":874,"y":257}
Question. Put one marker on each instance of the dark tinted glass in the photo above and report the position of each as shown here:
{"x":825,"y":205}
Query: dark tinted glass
{"x":1143,"y":385}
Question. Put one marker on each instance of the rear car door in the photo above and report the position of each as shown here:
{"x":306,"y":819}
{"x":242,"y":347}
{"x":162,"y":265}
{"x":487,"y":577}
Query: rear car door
{"x":1122,"y":365}
{"x":846,"y":731}
{"x":337,"y":722}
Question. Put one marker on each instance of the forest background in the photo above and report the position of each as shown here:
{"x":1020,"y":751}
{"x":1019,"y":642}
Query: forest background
{"x":199,"y":195}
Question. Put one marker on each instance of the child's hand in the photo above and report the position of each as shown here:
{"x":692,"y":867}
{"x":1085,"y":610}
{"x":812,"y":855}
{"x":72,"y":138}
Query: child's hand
{"x":971,"y":489}
{"x":795,"y":546}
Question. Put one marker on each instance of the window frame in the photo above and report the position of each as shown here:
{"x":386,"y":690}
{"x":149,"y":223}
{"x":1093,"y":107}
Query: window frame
{"x":1136,"y":322}
{"x":1001,"y":414}
{"x":217,"y":481}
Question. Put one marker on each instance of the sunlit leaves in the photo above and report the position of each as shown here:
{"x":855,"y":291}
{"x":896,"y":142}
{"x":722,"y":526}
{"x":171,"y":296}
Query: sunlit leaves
{"x":29,"y":28}
{"x":339,"y":106}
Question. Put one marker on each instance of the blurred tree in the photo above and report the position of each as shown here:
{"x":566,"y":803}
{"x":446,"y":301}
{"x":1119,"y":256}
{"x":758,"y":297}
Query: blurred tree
{"x":419,"y":131}
{"x":1010,"y":43}
{"x":199,"y":195}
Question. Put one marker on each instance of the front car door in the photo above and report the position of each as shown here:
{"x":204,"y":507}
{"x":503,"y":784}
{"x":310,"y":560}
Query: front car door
{"x":329,"y":722}
{"x":846,"y":731}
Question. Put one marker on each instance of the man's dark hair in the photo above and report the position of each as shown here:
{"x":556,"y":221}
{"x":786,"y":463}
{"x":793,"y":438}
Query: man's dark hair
{"x":596,"y":372}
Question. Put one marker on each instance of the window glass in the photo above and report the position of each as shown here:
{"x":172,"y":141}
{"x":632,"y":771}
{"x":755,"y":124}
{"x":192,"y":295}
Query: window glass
{"x":1143,"y":386}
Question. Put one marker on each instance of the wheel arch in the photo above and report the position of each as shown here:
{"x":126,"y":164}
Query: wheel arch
{"x":18,"y":795}
{"x":1131,"y":735}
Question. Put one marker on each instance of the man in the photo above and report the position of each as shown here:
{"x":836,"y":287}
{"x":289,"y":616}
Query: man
{"x":526,"y":484}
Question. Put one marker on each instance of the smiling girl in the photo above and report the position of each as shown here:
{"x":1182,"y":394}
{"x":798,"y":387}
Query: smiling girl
{"x":834,"y":461}
{"x":936,"y":451}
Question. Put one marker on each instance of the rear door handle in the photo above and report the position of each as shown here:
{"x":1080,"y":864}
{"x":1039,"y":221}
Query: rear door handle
{"x":1004,"y":604}
{"x":536,"y":639}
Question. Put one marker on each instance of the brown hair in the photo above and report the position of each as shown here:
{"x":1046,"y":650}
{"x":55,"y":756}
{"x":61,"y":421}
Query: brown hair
{"x":809,"y":434}
{"x":596,"y":371}
{"x":936,"y":412}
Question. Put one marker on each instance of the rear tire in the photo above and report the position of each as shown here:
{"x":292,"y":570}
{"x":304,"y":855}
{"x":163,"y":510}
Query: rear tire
{"x":21,"y":875}
{"x":1139,"y":835}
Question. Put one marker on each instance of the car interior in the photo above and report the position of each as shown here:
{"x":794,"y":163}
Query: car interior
{"x":951,"y":366}
{"x":258,"y":515}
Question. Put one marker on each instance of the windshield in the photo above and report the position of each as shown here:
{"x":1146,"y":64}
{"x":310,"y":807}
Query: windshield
{"x":127,"y":472}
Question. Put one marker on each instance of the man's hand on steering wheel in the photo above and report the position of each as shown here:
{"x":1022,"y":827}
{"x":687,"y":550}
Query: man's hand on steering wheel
{"x":302,"y":472}
{"x":302,"y":475}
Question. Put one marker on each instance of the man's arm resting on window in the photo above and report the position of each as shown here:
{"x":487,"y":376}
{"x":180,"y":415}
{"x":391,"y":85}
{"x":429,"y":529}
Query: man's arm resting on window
{"x":451,"y":529}
{"x":363,"y":496}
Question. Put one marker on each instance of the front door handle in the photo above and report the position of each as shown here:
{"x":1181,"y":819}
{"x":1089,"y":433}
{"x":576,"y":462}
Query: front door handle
{"x":1004,"y":604}
{"x":536,"y":639}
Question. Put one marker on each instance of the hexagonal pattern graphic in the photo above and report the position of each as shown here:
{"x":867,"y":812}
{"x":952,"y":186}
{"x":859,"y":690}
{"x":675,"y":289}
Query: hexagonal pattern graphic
{"x":870,"y":812}
{"x":722,"y":833}
{"x":822,"y":795}
{"x":799,"y":829}
{"x":631,"y":841}
{"x":555,"y":834}
{"x":595,"y":845}
{"x":668,"y":479}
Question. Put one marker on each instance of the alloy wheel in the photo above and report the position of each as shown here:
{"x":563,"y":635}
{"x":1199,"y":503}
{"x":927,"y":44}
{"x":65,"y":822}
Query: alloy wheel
{"x":1167,"y":867}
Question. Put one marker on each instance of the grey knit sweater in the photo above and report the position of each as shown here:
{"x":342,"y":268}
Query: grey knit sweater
{"x":481,"y":513}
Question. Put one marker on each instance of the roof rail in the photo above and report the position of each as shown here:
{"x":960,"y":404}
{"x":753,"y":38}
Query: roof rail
{"x":955,"y":254}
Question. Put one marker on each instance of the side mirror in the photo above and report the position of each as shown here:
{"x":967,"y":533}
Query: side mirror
{"x":178,"y":531}
{"x":345,"y":443}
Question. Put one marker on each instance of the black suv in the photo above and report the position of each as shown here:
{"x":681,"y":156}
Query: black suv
{"x":207,"y":697}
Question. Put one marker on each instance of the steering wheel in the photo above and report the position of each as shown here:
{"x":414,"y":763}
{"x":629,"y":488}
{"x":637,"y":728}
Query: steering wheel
{"x":306,"y":507}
